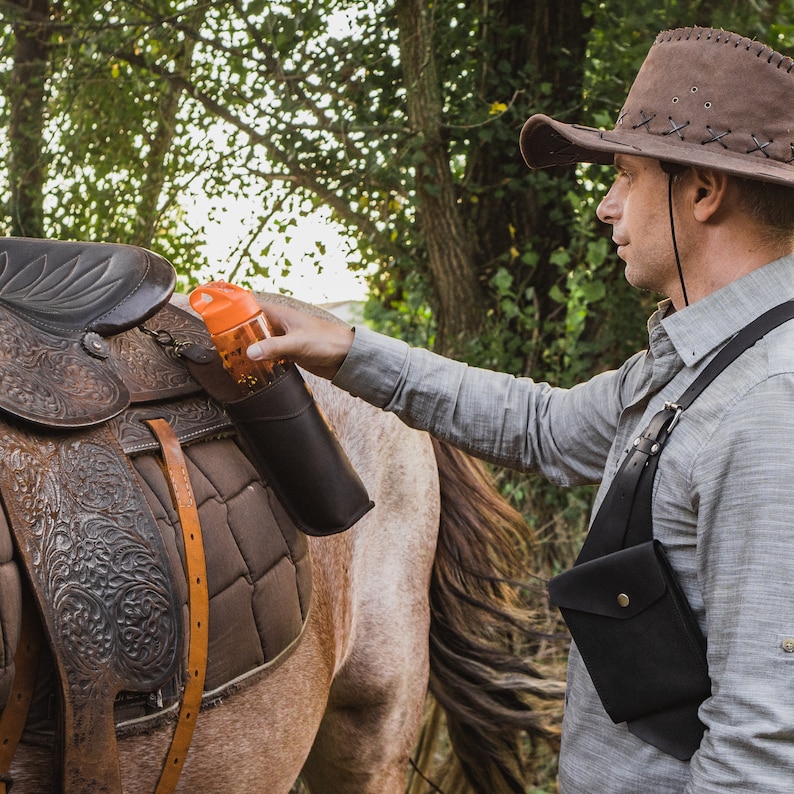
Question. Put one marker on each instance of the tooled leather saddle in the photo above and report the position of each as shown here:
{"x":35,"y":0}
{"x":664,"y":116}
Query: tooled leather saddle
{"x":96,"y":404}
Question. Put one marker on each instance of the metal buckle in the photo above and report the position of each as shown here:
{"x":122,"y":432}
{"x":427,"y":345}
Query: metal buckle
{"x":679,"y":409}
{"x":182,"y":348}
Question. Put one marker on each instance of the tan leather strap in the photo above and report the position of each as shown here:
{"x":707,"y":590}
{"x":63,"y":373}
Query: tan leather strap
{"x":26,"y":663}
{"x":198,"y":601}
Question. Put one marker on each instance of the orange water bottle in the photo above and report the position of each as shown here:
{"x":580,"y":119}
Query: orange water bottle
{"x":286,"y":435}
{"x":235,"y":321}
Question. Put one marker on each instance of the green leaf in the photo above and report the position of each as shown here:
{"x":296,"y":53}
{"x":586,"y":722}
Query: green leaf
{"x":593,"y":291}
{"x":560,"y":257}
{"x":502,"y":281}
{"x":557,"y":295}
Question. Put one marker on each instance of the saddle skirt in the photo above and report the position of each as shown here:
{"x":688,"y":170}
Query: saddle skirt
{"x":88,"y":518}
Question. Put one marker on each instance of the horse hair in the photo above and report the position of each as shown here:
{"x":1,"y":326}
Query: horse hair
{"x":482,"y":637}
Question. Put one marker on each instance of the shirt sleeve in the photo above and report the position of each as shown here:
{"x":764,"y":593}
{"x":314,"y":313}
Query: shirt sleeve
{"x":744,"y":498}
{"x":565,"y":434}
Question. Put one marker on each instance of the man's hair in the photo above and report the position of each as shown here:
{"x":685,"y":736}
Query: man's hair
{"x":771,"y":206}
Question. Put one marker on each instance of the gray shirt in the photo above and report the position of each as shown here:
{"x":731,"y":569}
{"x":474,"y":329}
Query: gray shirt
{"x":723,"y":506}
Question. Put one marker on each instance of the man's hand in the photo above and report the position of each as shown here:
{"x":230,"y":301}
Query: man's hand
{"x":315,"y":344}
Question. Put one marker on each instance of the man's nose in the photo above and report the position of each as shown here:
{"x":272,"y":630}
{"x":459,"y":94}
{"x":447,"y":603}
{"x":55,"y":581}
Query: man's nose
{"x":608,"y":208}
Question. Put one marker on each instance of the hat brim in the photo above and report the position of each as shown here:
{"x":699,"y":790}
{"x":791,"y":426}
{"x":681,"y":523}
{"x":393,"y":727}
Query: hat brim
{"x":546,"y":142}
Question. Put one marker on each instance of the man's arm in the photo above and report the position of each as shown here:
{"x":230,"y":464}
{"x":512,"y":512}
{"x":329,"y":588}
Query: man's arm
{"x":565,"y":434}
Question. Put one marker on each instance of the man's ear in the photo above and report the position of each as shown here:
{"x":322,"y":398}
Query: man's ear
{"x":709,"y":190}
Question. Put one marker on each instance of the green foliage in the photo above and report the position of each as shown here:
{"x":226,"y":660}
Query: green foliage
{"x":310,"y":97}
{"x":102,"y":119}
{"x":154,"y":107}
{"x":162,"y":117}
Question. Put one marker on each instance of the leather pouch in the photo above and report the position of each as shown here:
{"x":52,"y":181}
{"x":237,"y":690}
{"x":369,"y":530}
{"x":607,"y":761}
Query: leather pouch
{"x":635,"y":631}
{"x":294,"y":447}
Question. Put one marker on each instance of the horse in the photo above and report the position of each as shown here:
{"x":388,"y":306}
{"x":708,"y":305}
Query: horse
{"x":417,"y":600}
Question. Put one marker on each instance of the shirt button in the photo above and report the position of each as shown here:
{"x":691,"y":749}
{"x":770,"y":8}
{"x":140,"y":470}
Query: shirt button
{"x":788,"y":645}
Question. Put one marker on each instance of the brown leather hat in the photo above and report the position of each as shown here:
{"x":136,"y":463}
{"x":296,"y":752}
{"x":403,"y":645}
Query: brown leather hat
{"x":702,"y":97}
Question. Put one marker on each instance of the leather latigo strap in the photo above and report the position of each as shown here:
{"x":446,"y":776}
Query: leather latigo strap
{"x":198,"y":600}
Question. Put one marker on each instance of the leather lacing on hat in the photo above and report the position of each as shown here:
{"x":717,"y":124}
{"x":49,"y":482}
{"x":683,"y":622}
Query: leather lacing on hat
{"x":728,"y":108}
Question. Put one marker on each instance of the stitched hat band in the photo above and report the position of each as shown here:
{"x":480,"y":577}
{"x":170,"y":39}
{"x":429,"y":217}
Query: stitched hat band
{"x":702,"y":97}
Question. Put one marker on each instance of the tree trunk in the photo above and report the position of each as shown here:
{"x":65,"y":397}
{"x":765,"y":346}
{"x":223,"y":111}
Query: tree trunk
{"x":463,"y":239}
{"x":27,"y":103}
{"x":160,"y":148}
{"x":457,"y":297}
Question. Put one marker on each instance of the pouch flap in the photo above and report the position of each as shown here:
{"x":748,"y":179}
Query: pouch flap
{"x":618,"y":585}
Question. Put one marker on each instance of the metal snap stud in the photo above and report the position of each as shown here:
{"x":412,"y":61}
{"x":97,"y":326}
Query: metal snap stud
{"x":95,"y":345}
{"x":623,"y":601}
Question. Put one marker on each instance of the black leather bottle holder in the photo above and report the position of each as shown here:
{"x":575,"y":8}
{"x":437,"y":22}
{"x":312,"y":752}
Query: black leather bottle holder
{"x":622,"y":602}
{"x":294,"y":448}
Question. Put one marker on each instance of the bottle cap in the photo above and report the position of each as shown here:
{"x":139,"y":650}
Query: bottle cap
{"x":223,"y":306}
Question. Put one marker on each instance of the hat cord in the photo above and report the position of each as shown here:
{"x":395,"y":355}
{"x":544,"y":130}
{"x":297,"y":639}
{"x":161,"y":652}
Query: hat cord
{"x":675,"y":243}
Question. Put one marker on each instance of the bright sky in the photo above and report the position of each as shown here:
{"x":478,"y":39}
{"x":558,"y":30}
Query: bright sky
{"x":225,"y":227}
{"x":335,"y":283}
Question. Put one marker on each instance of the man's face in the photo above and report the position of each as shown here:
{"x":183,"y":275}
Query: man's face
{"x":637,"y":209}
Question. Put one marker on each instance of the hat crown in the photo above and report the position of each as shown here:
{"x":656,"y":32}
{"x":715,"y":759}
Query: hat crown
{"x":715,"y":89}
{"x":702,"y":97}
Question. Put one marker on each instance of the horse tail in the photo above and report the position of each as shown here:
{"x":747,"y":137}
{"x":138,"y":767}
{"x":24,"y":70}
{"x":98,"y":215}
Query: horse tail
{"x":482,"y":634}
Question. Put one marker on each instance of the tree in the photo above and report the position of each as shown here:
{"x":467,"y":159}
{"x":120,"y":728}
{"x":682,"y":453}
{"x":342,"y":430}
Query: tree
{"x":329,"y":140}
{"x":477,"y":208}
{"x":26,"y":100}
{"x":90,"y":139}
{"x":400,"y":117}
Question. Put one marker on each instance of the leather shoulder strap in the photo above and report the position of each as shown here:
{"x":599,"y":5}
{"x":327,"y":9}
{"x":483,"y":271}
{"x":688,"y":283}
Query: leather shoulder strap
{"x":624,"y":518}
{"x":745,"y":339}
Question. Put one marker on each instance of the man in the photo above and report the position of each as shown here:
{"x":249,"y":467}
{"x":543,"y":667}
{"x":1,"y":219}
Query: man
{"x":701,"y":211}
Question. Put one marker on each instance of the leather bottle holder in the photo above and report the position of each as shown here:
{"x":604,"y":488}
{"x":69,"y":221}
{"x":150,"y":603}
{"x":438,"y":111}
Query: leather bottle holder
{"x":295,"y":448}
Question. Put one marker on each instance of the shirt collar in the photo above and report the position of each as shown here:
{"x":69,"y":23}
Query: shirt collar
{"x":699,"y":329}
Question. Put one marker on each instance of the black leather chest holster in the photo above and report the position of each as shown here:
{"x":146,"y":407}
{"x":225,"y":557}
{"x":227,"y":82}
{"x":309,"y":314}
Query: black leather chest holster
{"x":625,"y":610}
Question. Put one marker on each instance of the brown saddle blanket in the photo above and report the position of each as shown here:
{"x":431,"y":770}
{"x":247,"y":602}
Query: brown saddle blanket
{"x":81,"y":469}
